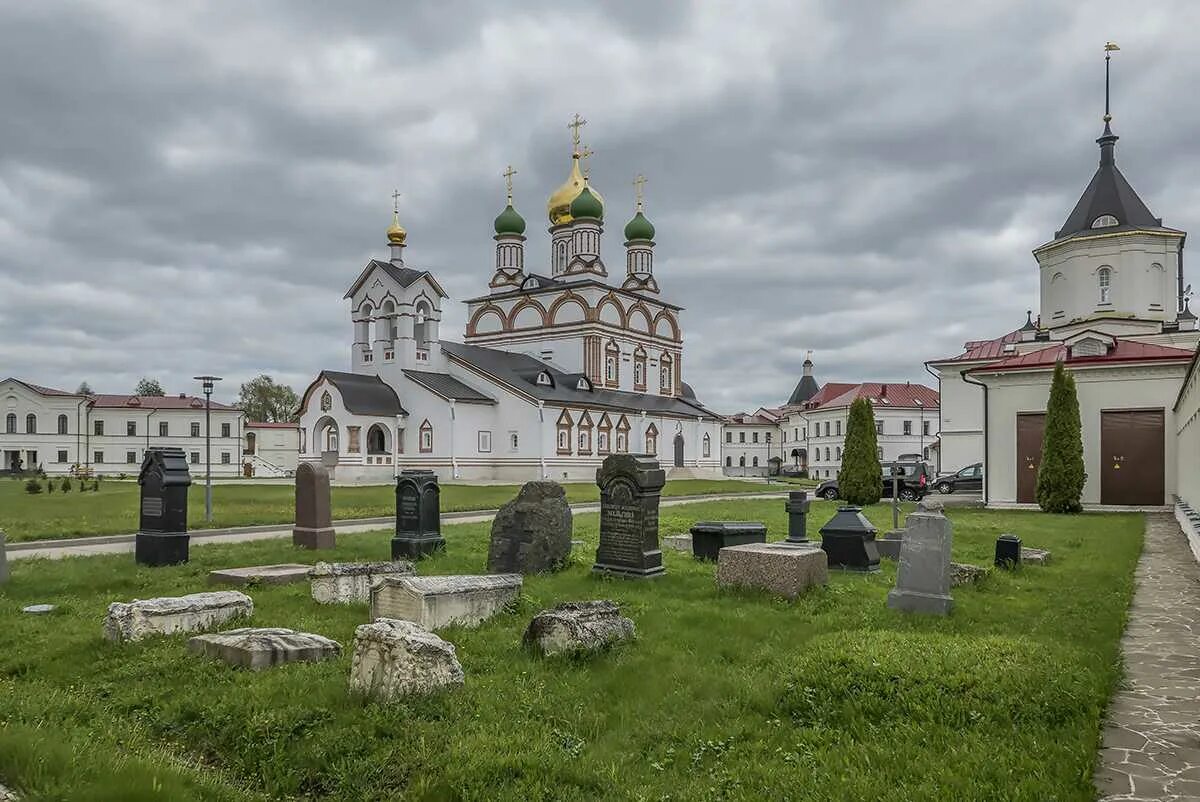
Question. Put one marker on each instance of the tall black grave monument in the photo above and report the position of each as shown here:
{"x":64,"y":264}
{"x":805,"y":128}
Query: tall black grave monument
{"x":162,"y":537}
{"x":418,"y":515}
{"x":630,"y":487}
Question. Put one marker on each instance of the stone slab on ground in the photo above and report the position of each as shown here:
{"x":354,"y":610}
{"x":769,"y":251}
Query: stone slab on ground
{"x":39,"y":609}
{"x":281,"y":574}
{"x":8,"y":795}
{"x":678,"y":543}
{"x":264,"y":647}
{"x":1034,"y":556}
{"x":434,"y":602}
{"x":350,"y":583}
{"x":141,"y":618}
{"x":782,"y":568}
{"x":966,"y":574}
{"x":575,"y":627}
{"x":394,"y":659}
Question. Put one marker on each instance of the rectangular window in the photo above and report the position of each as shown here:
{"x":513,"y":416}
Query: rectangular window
{"x":194,"y":457}
{"x":826,"y":428}
{"x":98,"y":428}
{"x":131,"y":428}
{"x":805,"y":430}
{"x":163,"y":428}
{"x":756,"y":437}
{"x":908,"y":427}
{"x":131,"y":458}
{"x":195,"y":430}
{"x":225,"y":430}
{"x":839,"y":428}
{"x":225,"y":458}
{"x":878,"y":427}
{"x":353,"y":433}
{"x":741,"y":437}
{"x":98,"y":457}
{"x":728,"y":437}
{"x":925,"y":428}
{"x":485,"y":442}
{"x":62,"y":456}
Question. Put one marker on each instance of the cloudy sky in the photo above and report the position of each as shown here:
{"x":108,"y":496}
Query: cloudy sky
{"x":189,"y":187}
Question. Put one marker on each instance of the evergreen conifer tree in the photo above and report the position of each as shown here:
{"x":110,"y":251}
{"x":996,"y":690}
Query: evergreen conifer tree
{"x":1061,"y":476}
{"x":860,"y":478}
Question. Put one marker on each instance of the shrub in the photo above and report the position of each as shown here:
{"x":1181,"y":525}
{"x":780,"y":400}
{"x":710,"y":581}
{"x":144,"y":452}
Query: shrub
{"x":33,"y":487}
{"x":1061,"y":476}
{"x":96,"y":485}
{"x":66,"y":484}
{"x":859,"y":478}
{"x":49,"y":485}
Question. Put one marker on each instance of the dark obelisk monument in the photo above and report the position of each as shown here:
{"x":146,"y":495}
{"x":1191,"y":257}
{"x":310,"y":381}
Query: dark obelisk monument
{"x":630,"y":486}
{"x":162,"y":537}
{"x":314,"y":518}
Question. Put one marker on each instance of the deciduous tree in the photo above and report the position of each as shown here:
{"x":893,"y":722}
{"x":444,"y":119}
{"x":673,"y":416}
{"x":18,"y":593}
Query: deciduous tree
{"x":264,"y":400}
{"x":149,"y":387}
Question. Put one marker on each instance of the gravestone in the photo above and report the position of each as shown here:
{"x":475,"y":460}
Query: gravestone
{"x":709,"y":537}
{"x":889,"y":545}
{"x":1034,"y":556}
{"x":678,"y":543}
{"x":162,"y":537}
{"x":784,"y":568}
{"x":966,"y":574}
{"x":39,"y":609}
{"x":630,"y":486}
{"x":314,"y":517}
{"x":394,"y":659}
{"x":797,"y":507}
{"x":849,"y":541}
{"x":281,"y":574}
{"x":1008,"y":551}
{"x":577,"y":628}
{"x":923,"y":577}
{"x":418,"y":515}
{"x":3,"y":559}
{"x":532,"y":533}
{"x":263,"y":647}
{"x":439,"y":601}
{"x":140,"y":618}
{"x":350,"y":583}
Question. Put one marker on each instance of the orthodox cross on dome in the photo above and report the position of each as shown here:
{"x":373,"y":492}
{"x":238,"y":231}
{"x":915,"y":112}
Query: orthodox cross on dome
{"x":508,"y":173}
{"x":1109,"y":47}
{"x":639,"y":186}
{"x":576,"y":123}
{"x":396,"y":202}
{"x":584,"y":155}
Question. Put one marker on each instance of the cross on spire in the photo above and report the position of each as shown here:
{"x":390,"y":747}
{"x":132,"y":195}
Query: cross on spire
{"x":508,"y":174}
{"x":396,"y":202}
{"x":1109,"y":47}
{"x":583,"y":157}
{"x":576,"y":123}
{"x":639,"y":184}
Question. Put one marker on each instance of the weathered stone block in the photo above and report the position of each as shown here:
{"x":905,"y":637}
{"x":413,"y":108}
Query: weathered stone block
{"x":781,"y":568}
{"x":574,"y":627}
{"x":1034,"y":556}
{"x":141,"y":618}
{"x":439,"y":601}
{"x":889,"y":545}
{"x":258,"y":648}
{"x":709,"y":537}
{"x":923,"y":576}
{"x":350,"y":583}
{"x":678,"y":543}
{"x":966,"y":574}
{"x":394,"y":659}
{"x":282,"y":574}
{"x":532,"y":533}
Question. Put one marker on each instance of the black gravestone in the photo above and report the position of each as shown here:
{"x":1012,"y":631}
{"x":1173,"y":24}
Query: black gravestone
{"x":630,"y":486}
{"x":797,"y":509}
{"x":1008,"y":551}
{"x":709,"y":537}
{"x":418,"y":515}
{"x":848,"y":540}
{"x":162,"y":537}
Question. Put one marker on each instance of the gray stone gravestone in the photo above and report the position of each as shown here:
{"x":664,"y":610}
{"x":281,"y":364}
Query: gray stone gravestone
{"x":923,"y":576}
{"x":314,"y":516}
{"x":418,"y":515}
{"x":3,"y":559}
{"x":630,"y":486}
{"x":532,"y":533}
{"x":797,"y":507}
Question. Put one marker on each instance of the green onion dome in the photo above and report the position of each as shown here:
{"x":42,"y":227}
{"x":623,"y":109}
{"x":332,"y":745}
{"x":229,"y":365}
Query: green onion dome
{"x":639,"y":228}
{"x":509,"y":222}
{"x":586,"y":204}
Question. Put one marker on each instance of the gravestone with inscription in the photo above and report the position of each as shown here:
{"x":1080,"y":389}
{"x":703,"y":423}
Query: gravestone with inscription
{"x":314,"y":518}
{"x":418,"y":515}
{"x":162,"y":537}
{"x":630,"y":486}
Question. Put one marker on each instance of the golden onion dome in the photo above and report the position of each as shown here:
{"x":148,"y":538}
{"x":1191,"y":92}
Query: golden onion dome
{"x":396,"y":233}
{"x":558,"y":208}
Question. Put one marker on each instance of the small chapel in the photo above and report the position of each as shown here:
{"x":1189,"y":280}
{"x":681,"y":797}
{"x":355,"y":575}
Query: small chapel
{"x":559,"y":366}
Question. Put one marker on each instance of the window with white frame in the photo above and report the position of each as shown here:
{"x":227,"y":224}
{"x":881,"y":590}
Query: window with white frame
{"x":838,"y":428}
{"x":194,"y":458}
{"x":602,"y":442}
{"x":564,"y":440}
{"x":62,"y":424}
{"x":1104,"y":279}
{"x":484,"y":439}
{"x":62,"y":456}
{"x":622,"y":443}
{"x":131,"y":457}
{"x":878,"y":427}
{"x":226,"y":458}
{"x":98,"y":457}
{"x":925,"y":428}
{"x":131,"y":428}
{"x":163,"y":428}
{"x":97,"y":428}
{"x":908,"y":427}
{"x":195,"y":429}
{"x":514,"y":441}
{"x":706,"y":446}
{"x":425,"y":441}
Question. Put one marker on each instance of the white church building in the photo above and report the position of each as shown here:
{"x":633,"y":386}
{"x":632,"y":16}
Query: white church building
{"x":558,"y":368}
{"x":1114,"y":309}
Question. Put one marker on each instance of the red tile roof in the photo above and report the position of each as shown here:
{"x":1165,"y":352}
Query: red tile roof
{"x":827,"y":391}
{"x":154,"y":402}
{"x":746,"y":418}
{"x":984,"y":349}
{"x":1122,"y":351}
{"x":894,"y":395}
{"x":37,"y":388}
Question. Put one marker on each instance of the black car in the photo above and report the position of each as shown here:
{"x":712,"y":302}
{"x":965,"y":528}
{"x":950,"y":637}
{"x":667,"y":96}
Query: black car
{"x":912,"y":480}
{"x":969,"y":478}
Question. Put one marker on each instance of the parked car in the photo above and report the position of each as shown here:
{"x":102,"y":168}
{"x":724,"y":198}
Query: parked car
{"x":969,"y":478}
{"x":913,"y":479}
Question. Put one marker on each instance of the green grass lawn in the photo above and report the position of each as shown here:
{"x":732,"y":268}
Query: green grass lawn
{"x":723,"y":696}
{"x":113,"y":509}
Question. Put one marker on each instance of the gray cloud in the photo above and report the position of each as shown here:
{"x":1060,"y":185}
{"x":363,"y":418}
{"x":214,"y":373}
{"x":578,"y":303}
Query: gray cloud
{"x":190,"y":187}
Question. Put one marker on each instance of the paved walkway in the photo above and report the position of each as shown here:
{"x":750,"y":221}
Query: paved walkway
{"x":118,"y":544}
{"x":1151,"y":745}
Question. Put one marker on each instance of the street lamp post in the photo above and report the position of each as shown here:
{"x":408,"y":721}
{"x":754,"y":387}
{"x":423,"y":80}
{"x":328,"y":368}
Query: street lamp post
{"x":206,"y":383}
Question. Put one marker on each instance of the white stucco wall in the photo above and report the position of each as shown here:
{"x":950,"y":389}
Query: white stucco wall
{"x":1187,"y":441}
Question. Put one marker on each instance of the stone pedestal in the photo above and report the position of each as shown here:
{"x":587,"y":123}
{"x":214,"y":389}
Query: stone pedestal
{"x":797,"y":507}
{"x":162,"y":537}
{"x":783,"y":568}
{"x":575,"y":627}
{"x":418,"y":515}
{"x":923,"y":577}
{"x":532,"y":533}
{"x":849,"y":541}
{"x":394,"y":659}
{"x":630,"y":487}
{"x":350,"y":583}
{"x":141,"y":618}
{"x":439,"y":601}
{"x":259,"y":648}
{"x":709,"y":537}
{"x":314,"y":515}
{"x":1008,"y":551}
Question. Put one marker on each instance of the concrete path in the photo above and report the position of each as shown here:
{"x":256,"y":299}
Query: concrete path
{"x":1151,"y":747}
{"x":117,"y":544}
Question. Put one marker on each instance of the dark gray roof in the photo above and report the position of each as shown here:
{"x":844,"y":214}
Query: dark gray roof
{"x":1108,"y":193}
{"x":806,"y":388}
{"x":448,"y":387}
{"x":520,"y":371}
{"x":404,"y":276}
{"x":364,"y":395}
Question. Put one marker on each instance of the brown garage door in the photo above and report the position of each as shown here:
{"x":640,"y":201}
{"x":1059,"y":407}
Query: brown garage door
{"x":1030,"y":428}
{"x":1132,"y":453}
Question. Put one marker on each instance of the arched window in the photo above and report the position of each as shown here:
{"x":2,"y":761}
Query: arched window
{"x":564,"y":424}
{"x":425,"y":443}
{"x":707,"y":446}
{"x":362,"y":331}
{"x":666,"y":381}
{"x":755,"y":462}
{"x":1104,"y":279}
{"x":10,"y":423}
{"x":729,"y":462}
{"x":742,"y":461}
{"x":839,"y":453}
{"x":652,"y":439}
{"x":421,"y":325}
{"x":513,"y":441}
{"x":612,"y":364}
{"x":639,"y":368}
{"x":62,"y":424}
{"x":31,"y":424}
{"x":826,"y":453}
{"x":377,"y":440}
